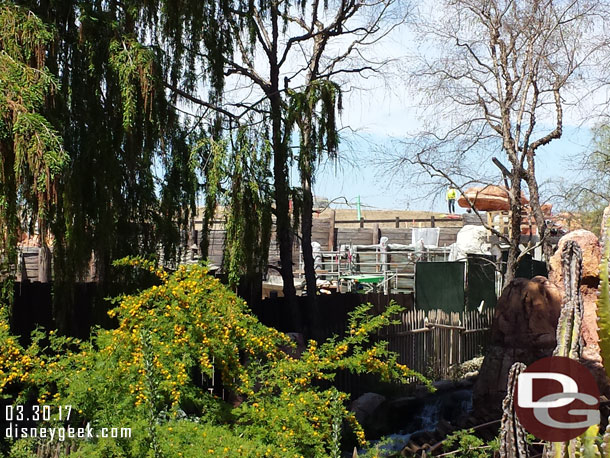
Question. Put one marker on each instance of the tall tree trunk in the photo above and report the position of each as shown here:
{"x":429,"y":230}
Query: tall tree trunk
{"x":8,"y":233}
{"x":250,"y":288}
{"x":308,"y":261}
{"x":547,"y":248}
{"x":44,"y":255}
{"x":282,"y":222}
{"x":306,"y":168}
{"x":206,"y":225}
{"x":306,"y":225}
{"x":515,"y":226}
{"x":280,"y":176}
{"x":9,"y":211}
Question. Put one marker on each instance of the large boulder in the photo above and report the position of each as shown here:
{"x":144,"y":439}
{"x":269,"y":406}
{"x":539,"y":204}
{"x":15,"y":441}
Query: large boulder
{"x":488,"y":198}
{"x":371,"y":411}
{"x":591,"y":255}
{"x":526,"y":315}
{"x":523,"y":329}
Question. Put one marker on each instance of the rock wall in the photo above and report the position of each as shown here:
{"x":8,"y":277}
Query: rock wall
{"x":591,"y":257}
{"x":525,"y":322}
{"x":523,"y":330}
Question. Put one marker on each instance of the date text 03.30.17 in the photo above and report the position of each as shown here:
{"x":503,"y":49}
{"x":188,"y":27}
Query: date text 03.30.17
{"x":37,"y":412}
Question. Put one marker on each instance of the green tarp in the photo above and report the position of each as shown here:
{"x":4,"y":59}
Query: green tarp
{"x":439,"y":285}
{"x":455,"y":286}
{"x":480,"y":282}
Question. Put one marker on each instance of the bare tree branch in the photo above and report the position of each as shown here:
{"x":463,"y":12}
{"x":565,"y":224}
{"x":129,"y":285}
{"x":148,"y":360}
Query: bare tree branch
{"x":501,"y":68}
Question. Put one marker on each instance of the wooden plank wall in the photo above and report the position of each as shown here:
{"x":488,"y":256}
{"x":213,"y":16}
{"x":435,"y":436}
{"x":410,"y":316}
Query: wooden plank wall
{"x":28,"y":267}
{"x":216,"y":246}
{"x":365,"y":236}
{"x":433,"y":342}
{"x":354,"y":236}
{"x":401,"y":236}
{"x":447,"y":235}
{"x":324,"y":232}
{"x":319,"y":232}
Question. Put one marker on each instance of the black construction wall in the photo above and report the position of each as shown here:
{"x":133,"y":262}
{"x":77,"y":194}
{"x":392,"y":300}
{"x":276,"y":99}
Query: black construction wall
{"x":480,"y":282}
{"x":332,"y":310}
{"x":33,"y":307}
{"x":527,"y":267}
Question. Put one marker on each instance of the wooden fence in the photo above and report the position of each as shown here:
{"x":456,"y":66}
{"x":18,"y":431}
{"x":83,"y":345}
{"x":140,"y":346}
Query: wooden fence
{"x":429,"y":342}
{"x":432,"y":342}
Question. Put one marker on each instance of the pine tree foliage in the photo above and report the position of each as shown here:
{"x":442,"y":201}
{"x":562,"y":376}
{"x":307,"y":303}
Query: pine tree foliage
{"x":312,"y":113}
{"x":249,"y":207}
{"x":238,"y":180}
{"x":117,"y":163}
{"x":32,"y":151}
{"x":90,"y":144}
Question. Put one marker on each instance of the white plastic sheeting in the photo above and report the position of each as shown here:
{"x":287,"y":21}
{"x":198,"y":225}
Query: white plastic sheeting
{"x":426,"y":236}
{"x":470,"y":240}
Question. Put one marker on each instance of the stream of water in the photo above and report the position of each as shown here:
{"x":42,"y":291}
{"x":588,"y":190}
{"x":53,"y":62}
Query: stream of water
{"x":424,"y":416}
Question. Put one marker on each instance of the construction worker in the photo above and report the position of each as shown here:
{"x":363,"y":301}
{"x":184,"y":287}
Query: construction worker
{"x":451,"y":194}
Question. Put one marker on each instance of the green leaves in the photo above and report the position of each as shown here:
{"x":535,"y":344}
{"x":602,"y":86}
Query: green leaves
{"x":465,"y":444}
{"x":90,"y":148}
{"x":152,"y":373}
{"x":23,"y":36}
{"x":237,"y":180}
{"x":32,"y":155}
{"x":312,"y":112}
{"x":134,"y":65}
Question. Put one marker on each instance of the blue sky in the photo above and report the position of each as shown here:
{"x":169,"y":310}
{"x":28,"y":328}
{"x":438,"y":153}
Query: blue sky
{"x":356,"y":172}
{"x":384,"y":109}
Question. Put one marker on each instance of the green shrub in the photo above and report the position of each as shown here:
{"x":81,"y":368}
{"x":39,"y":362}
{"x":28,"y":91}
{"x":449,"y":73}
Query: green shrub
{"x":146,"y":374}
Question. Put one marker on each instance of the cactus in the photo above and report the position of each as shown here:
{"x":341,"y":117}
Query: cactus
{"x":569,"y":339}
{"x":570,"y":319}
{"x":606,"y":442}
{"x":603,"y":301}
{"x":589,"y":447}
{"x":512,"y":436}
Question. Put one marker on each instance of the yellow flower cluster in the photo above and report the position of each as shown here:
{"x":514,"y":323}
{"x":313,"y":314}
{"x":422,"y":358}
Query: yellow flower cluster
{"x":15,"y":365}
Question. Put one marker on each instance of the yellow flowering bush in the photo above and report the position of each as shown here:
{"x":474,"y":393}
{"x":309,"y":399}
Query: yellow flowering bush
{"x":35,"y":373}
{"x":152,"y":373}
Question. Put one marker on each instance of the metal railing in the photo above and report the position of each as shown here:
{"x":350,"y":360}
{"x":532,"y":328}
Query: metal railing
{"x":396,"y":266}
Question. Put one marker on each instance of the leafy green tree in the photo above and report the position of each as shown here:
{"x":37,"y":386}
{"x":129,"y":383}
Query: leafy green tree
{"x":92,"y":150}
{"x":238,"y":177}
{"x":32,"y":153}
{"x":147,"y":375}
{"x":280,"y":65}
{"x":312,"y":115}
{"x":126,"y":76}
